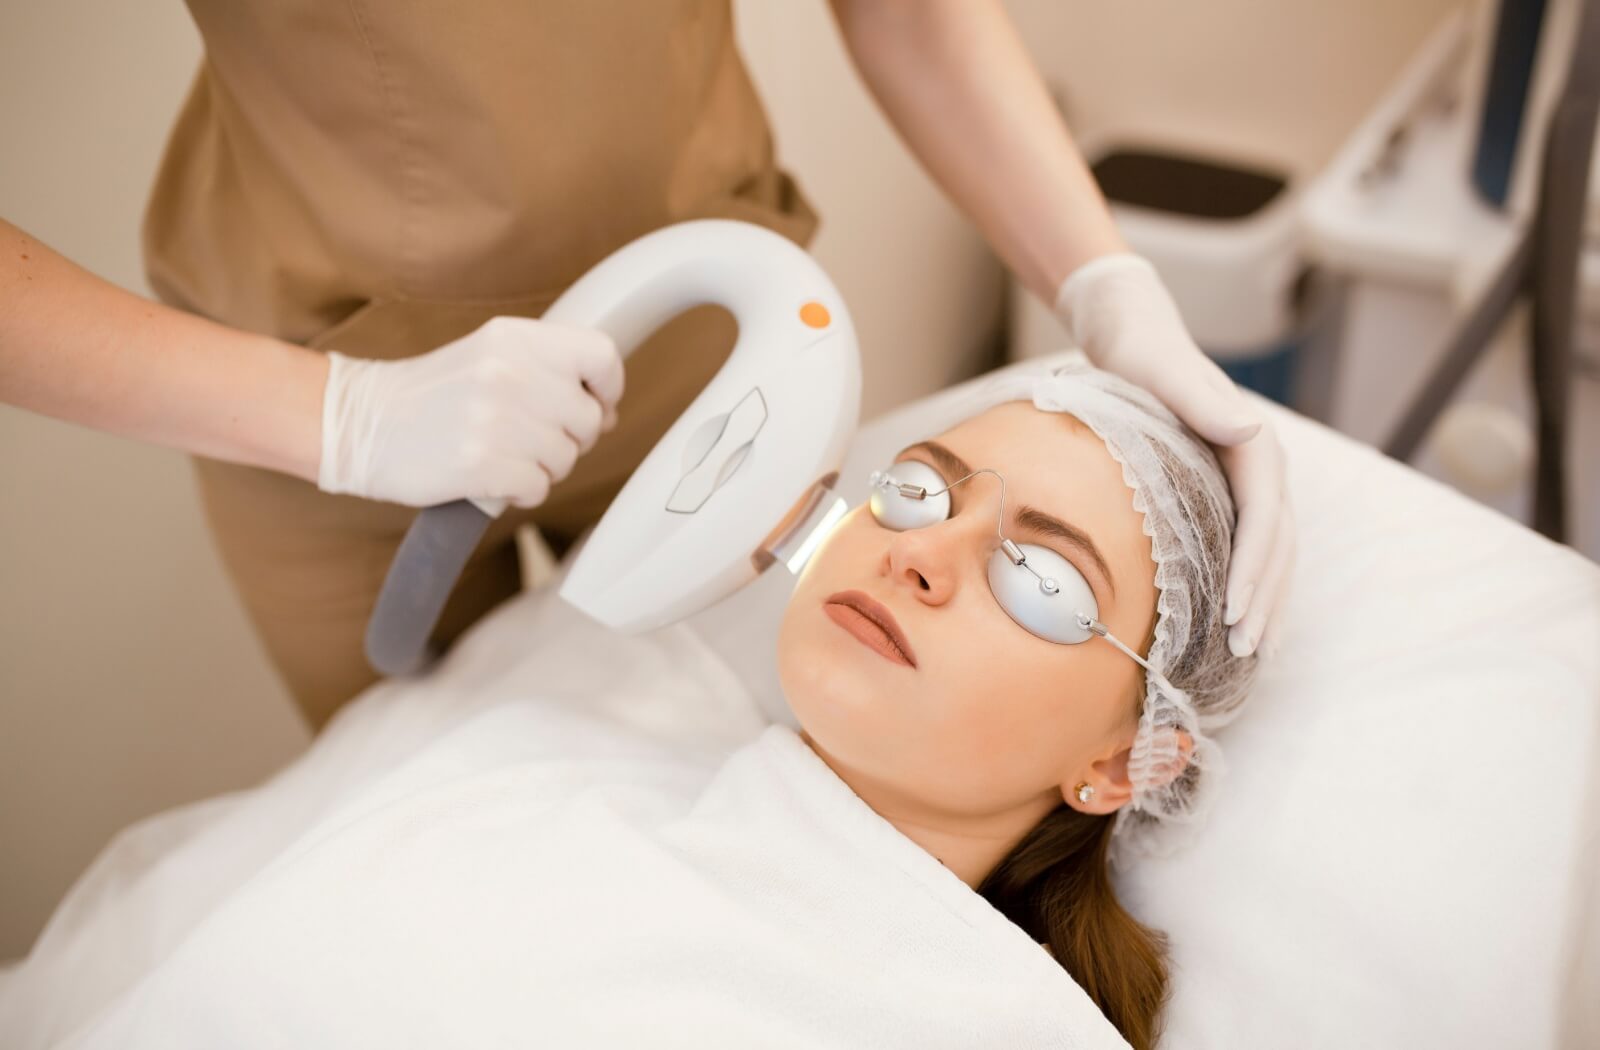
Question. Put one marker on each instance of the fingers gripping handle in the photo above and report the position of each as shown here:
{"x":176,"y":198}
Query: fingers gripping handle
{"x":747,"y":269}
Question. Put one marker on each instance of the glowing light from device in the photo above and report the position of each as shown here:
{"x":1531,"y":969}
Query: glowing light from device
{"x":813,"y":540}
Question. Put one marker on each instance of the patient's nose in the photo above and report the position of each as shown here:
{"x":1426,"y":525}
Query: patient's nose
{"x":928,"y":561}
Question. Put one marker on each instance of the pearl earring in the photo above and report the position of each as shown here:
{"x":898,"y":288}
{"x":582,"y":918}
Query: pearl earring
{"x":1085,"y":791}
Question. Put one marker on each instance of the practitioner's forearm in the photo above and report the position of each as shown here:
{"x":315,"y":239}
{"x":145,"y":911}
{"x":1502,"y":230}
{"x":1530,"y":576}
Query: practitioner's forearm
{"x":78,"y":348}
{"x":956,"y":81}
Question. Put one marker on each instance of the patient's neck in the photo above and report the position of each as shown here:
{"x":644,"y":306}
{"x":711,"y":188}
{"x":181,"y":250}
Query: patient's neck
{"x":970,"y":845}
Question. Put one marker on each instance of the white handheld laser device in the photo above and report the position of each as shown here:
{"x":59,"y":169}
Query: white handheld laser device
{"x":742,"y":479}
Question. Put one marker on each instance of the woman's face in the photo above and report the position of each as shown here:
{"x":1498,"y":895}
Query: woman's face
{"x":990,"y":717}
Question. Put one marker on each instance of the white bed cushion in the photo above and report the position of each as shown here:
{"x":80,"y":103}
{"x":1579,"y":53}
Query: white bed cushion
{"x":1403,"y":852}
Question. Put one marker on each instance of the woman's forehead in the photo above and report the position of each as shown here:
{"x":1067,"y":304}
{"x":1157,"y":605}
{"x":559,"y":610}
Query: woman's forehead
{"x":1049,"y":452}
{"x":1055,"y":462}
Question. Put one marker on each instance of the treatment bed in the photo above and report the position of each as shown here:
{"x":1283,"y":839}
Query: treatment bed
{"x":1404,"y":853}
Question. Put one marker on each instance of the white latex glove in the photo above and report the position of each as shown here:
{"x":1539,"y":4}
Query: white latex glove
{"x":1119,"y":312}
{"x":499,"y":414}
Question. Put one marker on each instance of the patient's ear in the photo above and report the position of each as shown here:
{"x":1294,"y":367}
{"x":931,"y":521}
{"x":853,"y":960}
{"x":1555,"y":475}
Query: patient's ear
{"x":1109,"y":778}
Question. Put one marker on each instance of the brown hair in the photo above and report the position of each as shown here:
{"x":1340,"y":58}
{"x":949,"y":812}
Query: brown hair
{"x":1056,"y":886}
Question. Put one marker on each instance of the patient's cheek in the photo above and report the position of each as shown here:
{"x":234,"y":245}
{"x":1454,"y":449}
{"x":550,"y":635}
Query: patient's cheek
{"x":828,"y":695}
{"x":803,"y":664}
{"x":786,"y":650}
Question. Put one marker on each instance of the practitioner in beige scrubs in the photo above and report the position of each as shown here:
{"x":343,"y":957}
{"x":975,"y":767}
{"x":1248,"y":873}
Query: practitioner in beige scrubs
{"x":353,"y":190}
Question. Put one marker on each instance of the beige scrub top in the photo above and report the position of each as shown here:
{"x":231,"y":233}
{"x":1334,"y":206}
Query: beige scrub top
{"x":381,"y":178}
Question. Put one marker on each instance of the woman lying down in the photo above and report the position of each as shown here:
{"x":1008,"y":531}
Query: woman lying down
{"x":1005,"y":667}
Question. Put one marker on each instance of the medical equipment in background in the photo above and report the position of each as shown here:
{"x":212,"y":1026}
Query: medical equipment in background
{"x":1387,"y":275}
{"x":743,"y":478}
{"x":1221,"y":223}
{"x":1227,"y":235}
{"x":1223,"y":231}
{"x":1466,"y":192}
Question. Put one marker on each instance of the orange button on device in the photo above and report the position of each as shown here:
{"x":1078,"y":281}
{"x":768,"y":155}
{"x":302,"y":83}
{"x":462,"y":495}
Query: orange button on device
{"x":815,"y":314}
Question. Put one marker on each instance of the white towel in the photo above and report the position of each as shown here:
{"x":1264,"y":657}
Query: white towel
{"x":159,"y":878}
{"x":766,"y":907}
{"x":540,"y":873}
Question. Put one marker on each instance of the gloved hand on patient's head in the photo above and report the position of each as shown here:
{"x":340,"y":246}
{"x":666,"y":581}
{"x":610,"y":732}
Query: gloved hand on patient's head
{"x":501,"y":413}
{"x":1123,"y":317}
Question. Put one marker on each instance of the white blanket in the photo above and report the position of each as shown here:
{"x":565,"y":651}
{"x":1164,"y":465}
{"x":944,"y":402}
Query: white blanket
{"x":539,"y":855}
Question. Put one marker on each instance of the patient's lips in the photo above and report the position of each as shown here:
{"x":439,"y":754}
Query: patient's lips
{"x":871,"y":623}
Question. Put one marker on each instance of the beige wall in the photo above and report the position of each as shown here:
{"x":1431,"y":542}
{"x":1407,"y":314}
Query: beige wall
{"x":129,"y":680}
{"x":1287,"y":79}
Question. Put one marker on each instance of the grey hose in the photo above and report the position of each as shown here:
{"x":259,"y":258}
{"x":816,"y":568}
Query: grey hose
{"x":426,"y":567}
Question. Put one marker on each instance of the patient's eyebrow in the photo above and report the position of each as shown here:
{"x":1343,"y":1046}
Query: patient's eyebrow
{"x":1028,"y":518}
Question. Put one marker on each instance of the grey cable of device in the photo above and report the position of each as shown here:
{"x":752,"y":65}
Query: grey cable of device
{"x":425,"y":570}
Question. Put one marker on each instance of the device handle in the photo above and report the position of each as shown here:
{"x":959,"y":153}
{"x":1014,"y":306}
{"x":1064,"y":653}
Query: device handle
{"x":631,"y":293}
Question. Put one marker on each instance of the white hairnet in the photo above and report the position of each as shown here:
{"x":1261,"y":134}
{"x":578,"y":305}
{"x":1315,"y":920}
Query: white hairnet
{"x":1198,"y":684}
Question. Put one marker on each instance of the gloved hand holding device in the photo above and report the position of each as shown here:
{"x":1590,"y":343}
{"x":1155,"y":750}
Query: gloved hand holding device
{"x":500,"y":414}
